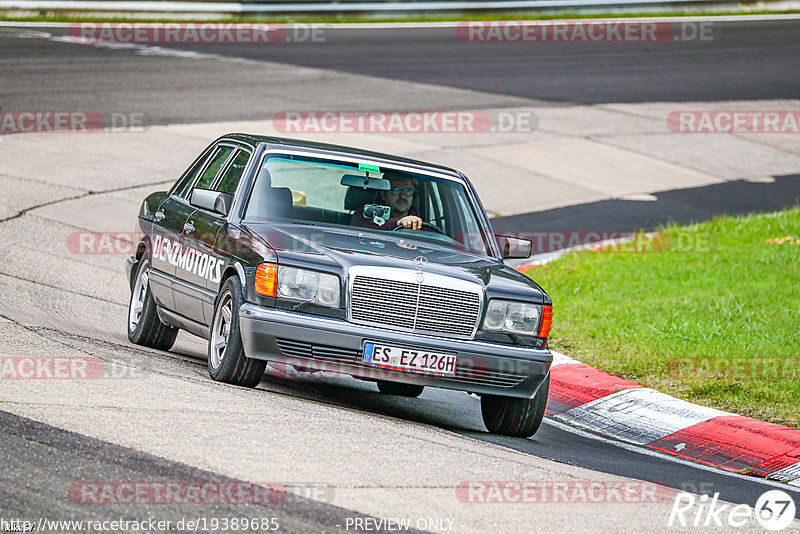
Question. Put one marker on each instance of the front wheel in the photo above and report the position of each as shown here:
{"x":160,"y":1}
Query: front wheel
{"x":144,"y":326}
{"x":226,"y":360}
{"x":512,"y":416}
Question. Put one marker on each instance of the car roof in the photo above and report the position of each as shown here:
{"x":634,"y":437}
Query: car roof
{"x":285,"y":142}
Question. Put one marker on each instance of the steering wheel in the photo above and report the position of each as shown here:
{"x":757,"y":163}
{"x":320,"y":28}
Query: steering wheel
{"x":424,"y":225}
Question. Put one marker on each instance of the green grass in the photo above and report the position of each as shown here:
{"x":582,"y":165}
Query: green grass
{"x":52,"y":16}
{"x":717,"y":323}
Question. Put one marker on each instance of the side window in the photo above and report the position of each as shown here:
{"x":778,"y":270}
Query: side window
{"x":233,"y":173}
{"x":217,"y":161}
{"x":185,"y":184}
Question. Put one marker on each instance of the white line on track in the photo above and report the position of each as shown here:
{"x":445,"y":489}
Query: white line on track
{"x":450,"y":24}
{"x":147,"y":50}
{"x":454,"y":24}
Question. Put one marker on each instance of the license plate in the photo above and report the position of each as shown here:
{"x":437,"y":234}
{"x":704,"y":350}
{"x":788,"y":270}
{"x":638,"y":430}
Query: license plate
{"x":406,"y":359}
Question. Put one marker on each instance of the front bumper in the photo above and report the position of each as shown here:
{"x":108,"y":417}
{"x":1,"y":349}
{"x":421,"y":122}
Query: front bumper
{"x":327,"y":344}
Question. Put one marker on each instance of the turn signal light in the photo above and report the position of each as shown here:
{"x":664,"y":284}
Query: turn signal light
{"x":267,"y":279}
{"x":547,"y":321}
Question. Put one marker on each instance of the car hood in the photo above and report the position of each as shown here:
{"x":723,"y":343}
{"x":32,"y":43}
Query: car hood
{"x":336,"y":249}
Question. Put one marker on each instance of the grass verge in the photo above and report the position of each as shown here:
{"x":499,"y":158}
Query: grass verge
{"x":709,"y":313}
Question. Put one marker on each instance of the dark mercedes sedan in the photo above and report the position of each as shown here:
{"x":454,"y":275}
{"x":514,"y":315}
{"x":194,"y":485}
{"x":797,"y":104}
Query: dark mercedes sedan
{"x":331,"y":258}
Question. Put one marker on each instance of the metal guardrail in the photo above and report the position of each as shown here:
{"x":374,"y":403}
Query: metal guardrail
{"x":312,"y":6}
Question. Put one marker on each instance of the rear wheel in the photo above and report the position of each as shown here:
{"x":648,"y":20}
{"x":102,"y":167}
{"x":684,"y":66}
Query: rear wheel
{"x":226,"y":360}
{"x":513,"y":416}
{"x":403,"y":390}
{"x":144,"y":326}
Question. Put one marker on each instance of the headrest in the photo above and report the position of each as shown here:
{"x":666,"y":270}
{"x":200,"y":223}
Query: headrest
{"x":279,"y":196}
{"x":270,"y":202}
{"x":263,"y":178}
{"x":357,"y":197}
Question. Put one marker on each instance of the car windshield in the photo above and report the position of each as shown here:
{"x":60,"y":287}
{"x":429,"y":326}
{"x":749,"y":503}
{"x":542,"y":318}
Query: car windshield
{"x":330,"y":192}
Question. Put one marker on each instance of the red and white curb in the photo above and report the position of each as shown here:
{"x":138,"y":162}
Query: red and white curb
{"x":601,"y":402}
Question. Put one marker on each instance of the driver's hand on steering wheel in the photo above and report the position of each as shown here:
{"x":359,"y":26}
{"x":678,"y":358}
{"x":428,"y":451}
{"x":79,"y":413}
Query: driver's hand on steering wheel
{"x":411,"y":222}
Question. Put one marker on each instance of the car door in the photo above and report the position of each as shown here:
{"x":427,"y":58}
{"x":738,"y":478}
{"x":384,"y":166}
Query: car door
{"x":187,"y":294}
{"x":203,"y":226}
{"x":169,"y":219}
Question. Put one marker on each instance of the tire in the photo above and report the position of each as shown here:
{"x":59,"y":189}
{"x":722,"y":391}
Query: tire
{"x":226,"y":359}
{"x":144,"y":326}
{"x":512,"y":416}
{"x":402,"y":390}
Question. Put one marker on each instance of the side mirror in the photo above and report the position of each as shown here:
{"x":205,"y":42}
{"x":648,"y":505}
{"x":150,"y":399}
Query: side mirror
{"x":514,"y":247}
{"x":215,"y":201}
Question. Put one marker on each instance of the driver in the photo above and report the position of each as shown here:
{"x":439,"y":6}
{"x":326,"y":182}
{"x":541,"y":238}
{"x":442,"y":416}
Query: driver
{"x":399,"y":198}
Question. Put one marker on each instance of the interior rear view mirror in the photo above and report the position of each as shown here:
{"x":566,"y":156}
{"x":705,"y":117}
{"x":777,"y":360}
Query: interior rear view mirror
{"x":354,"y":180}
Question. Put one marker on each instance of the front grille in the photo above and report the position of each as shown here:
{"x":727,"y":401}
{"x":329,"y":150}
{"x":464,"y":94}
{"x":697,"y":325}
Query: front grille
{"x":302,"y":349}
{"x":413,"y":307}
{"x":489,"y":378}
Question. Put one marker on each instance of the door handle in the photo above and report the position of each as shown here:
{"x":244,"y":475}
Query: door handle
{"x":159,"y":215}
{"x":188,"y":227}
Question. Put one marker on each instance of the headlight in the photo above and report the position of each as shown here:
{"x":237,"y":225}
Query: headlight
{"x":514,"y":317}
{"x":304,"y":285}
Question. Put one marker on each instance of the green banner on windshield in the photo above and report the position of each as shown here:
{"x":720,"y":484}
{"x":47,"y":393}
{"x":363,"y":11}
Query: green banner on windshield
{"x":366,"y":167}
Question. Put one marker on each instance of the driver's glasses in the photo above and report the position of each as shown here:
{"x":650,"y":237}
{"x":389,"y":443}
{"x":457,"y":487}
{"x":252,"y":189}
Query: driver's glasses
{"x":402,"y":191}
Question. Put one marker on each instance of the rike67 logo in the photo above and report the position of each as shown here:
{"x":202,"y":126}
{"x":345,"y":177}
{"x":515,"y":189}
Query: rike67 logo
{"x":774,"y":511}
